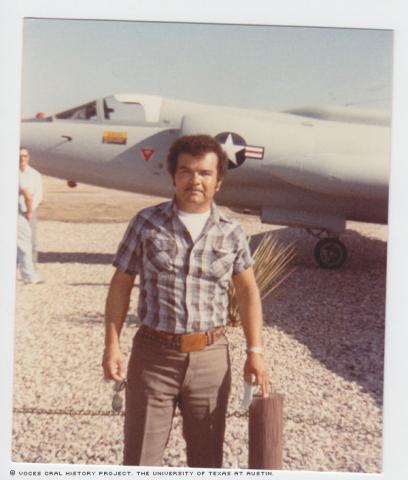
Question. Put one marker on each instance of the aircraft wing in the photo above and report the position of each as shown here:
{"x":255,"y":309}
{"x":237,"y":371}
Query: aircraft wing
{"x":347,"y":114}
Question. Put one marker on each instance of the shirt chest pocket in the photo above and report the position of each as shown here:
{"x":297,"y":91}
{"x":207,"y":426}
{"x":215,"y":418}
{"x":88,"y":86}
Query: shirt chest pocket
{"x":221,"y":263}
{"x":160,"y":254}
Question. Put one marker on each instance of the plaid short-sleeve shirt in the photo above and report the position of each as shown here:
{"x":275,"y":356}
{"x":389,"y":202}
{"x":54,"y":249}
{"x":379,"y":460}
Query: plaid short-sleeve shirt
{"x":183,"y":284}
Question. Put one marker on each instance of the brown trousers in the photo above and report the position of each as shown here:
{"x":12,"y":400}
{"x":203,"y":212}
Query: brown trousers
{"x":159,"y":379}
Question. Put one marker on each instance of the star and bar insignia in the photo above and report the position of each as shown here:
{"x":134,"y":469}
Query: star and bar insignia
{"x":237,"y":149}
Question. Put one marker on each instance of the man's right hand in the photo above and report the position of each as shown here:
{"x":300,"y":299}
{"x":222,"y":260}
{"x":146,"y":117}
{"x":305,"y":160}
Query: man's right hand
{"x":113,"y":364}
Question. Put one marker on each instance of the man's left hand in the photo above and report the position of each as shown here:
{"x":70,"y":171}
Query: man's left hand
{"x":255,"y":366}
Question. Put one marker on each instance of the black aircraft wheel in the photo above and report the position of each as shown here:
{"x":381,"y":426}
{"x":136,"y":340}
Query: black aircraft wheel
{"x":330,"y":253}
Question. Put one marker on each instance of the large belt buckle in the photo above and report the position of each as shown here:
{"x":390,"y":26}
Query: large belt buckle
{"x":193,"y":342}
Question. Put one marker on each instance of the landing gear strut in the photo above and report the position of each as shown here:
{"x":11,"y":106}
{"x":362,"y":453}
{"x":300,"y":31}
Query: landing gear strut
{"x":329,"y":252}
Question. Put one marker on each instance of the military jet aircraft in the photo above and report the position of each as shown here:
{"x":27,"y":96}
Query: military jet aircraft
{"x":310,"y":168}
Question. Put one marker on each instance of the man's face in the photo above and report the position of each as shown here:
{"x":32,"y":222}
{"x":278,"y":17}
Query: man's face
{"x":196,"y":181}
{"x":24,"y":159}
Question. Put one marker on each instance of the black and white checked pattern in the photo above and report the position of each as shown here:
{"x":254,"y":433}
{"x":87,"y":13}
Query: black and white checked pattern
{"x":183,"y":284}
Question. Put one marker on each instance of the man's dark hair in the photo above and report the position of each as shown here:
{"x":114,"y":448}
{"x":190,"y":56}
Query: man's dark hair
{"x":197,"y":146}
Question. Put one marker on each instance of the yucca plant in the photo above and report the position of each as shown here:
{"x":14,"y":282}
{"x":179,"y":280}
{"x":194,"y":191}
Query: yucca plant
{"x":271,"y":267}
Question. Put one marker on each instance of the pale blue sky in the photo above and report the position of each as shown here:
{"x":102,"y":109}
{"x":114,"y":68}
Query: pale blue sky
{"x":66,"y":62}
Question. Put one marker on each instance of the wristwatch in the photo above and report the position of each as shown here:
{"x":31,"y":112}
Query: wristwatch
{"x":255,"y":349}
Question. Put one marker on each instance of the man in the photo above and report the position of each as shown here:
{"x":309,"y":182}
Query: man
{"x":24,"y":246}
{"x":30,"y":195}
{"x":186,"y":251}
{"x":30,"y":180}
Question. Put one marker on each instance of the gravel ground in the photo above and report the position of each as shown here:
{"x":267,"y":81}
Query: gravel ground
{"x":324,"y":338}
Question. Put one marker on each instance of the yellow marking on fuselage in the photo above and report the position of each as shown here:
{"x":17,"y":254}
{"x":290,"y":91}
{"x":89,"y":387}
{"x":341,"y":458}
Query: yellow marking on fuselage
{"x":119,"y":138}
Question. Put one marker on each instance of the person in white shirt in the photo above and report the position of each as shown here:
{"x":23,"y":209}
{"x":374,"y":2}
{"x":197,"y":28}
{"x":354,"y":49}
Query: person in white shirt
{"x":30,"y":196}
{"x":31,"y":180}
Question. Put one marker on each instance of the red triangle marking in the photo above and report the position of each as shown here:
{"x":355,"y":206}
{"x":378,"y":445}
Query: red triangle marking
{"x":147,"y":153}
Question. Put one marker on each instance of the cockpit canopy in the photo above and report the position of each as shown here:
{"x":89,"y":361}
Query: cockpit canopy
{"x":117,"y":109}
{"x":83,"y":112}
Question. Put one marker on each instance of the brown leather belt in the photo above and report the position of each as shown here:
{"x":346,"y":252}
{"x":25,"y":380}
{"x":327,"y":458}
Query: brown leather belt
{"x":189,"y":342}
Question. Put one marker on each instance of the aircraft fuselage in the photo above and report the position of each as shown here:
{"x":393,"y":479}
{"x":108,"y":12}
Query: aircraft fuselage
{"x":277,"y":160}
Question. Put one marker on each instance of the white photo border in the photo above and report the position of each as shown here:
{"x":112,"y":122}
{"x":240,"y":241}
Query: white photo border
{"x":374,"y":14}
